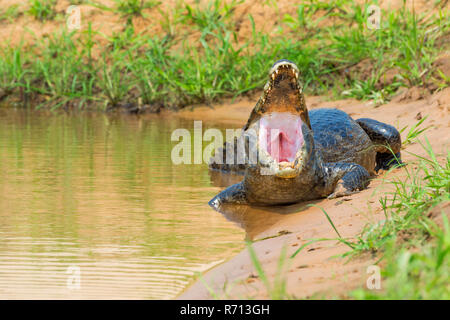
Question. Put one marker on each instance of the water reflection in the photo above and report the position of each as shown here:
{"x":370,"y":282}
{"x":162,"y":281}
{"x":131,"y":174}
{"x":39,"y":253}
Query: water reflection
{"x":253,"y":219}
{"x":100,"y":192}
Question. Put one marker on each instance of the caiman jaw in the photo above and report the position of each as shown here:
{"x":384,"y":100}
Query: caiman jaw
{"x":282,"y":112}
{"x":281,"y":143}
{"x":283,"y":92}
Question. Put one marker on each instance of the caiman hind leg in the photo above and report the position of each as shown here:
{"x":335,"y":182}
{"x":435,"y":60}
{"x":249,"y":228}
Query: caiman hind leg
{"x":386,"y":140}
{"x":345,"y":178}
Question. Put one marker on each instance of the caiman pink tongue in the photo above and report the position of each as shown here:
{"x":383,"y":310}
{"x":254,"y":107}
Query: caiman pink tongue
{"x":281,"y":135}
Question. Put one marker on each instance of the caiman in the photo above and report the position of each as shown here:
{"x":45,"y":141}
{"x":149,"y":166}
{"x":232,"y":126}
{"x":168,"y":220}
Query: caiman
{"x":290,"y":154}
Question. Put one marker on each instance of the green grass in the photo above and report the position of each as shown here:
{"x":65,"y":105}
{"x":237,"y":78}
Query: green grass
{"x":134,"y":7}
{"x":277,"y":289}
{"x":214,"y":16}
{"x":128,"y":8}
{"x":413,"y":132}
{"x":443,"y":81}
{"x":42,"y":9}
{"x":423,"y":188}
{"x":166,"y":70}
{"x":419,"y":274}
{"x":10,"y":13}
{"x":415,"y":249}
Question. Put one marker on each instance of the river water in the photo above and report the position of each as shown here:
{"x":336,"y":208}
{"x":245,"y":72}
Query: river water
{"x":91,"y":206}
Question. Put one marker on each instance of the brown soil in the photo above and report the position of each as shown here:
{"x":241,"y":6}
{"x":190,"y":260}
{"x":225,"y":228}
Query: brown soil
{"x":266,"y":15}
{"x":315,"y":271}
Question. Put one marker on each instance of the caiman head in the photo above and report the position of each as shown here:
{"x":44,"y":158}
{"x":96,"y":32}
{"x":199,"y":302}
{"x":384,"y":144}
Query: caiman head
{"x":281,"y":165}
{"x":280,"y":124}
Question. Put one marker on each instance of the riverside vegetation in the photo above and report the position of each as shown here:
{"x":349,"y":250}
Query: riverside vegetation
{"x":329,"y":41}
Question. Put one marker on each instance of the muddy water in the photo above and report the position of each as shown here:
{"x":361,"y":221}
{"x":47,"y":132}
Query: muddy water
{"x":92,"y":207}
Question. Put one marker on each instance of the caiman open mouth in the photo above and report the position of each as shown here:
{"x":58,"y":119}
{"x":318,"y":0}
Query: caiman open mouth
{"x":283,"y":113}
{"x":280,"y":135}
{"x":279,"y":119}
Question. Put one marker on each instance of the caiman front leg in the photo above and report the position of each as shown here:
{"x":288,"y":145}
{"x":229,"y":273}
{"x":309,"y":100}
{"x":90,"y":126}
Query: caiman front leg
{"x":234,"y":194}
{"x":344,"y":178}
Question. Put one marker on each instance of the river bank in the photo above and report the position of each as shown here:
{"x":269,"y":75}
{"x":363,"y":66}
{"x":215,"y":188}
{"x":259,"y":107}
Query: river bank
{"x":318,"y":271}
